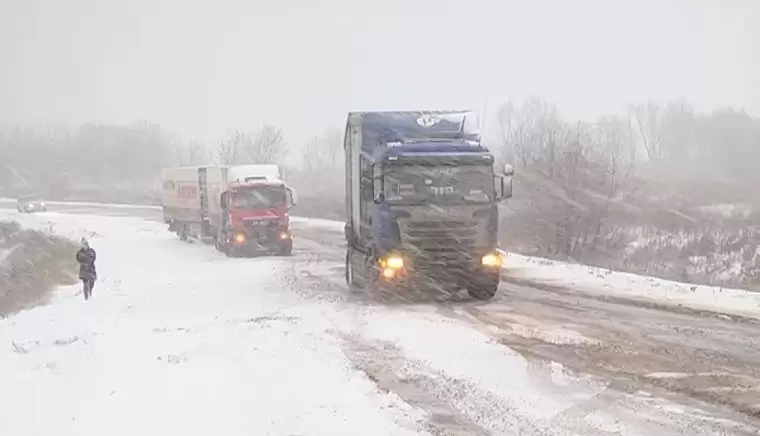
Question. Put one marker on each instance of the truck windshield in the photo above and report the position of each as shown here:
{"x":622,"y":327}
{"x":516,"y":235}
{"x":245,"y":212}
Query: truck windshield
{"x":427,"y":184}
{"x":260,"y":197}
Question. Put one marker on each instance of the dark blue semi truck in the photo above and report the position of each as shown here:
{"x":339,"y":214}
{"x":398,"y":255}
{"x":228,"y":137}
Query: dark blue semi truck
{"x":422,"y":199}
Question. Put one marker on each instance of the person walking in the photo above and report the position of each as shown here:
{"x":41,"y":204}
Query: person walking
{"x":86,"y":259}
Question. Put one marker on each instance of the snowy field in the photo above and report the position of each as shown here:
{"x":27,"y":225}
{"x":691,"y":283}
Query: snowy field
{"x":182,"y":340}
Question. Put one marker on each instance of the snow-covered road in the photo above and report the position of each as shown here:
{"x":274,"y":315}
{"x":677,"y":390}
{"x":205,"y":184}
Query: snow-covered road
{"x":182,"y":340}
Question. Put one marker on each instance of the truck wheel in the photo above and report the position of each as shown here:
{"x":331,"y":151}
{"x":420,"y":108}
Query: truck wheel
{"x":483,"y":289}
{"x":286,"y":249}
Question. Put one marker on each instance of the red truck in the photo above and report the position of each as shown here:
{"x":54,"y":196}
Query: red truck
{"x":242,"y":210}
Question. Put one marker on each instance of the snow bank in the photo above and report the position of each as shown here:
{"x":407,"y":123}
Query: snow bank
{"x":32,"y":264}
{"x":602,"y":281}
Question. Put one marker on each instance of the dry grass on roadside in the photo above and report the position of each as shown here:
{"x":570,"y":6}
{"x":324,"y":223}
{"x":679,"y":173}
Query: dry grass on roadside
{"x":32,"y":263}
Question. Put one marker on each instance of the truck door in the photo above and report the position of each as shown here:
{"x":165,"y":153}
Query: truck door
{"x":203,"y":184}
{"x":366,"y":206}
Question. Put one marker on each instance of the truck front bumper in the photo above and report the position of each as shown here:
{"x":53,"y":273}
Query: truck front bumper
{"x":274,"y":241}
{"x":403,"y":270}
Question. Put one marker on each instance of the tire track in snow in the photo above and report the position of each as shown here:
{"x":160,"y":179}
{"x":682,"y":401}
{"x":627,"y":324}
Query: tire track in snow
{"x":384,"y":365}
{"x":455,"y":407}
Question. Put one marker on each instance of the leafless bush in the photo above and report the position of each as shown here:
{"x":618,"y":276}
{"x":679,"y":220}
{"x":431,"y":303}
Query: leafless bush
{"x":31,"y":265}
{"x":572,"y":179}
{"x":710,"y":255}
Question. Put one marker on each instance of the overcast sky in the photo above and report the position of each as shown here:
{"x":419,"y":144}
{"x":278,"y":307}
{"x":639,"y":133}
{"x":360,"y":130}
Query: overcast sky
{"x":200,"y":67}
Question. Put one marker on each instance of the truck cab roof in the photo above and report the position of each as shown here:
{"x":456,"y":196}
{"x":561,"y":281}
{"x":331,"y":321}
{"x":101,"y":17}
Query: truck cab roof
{"x":405,"y":126}
{"x":392,"y":134}
{"x":241,"y":173}
{"x":257,"y":183}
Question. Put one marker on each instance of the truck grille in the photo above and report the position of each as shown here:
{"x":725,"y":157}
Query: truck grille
{"x":261,"y":229}
{"x":440,"y":239}
{"x":262,"y":224}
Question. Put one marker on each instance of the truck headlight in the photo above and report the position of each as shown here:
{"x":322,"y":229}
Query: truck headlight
{"x":393,"y":261}
{"x":239,"y":238}
{"x":492,"y":260}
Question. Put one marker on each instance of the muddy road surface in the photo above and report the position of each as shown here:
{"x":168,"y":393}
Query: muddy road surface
{"x":697,"y":358}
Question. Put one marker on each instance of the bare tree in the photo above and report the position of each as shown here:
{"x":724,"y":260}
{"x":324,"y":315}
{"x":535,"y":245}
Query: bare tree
{"x":572,"y":175}
{"x":323,"y":157}
{"x":648,"y":122}
{"x":240,"y":147}
{"x":509,"y":128}
{"x":527,"y":129}
{"x":678,"y":130}
{"x":268,"y":146}
{"x":232,"y":150}
{"x":192,"y":153}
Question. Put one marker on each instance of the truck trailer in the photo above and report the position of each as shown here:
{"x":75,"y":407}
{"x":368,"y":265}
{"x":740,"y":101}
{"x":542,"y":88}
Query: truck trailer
{"x":240,"y":209}
{"x":422,"y":198}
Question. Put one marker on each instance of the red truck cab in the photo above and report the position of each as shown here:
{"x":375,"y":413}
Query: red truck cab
{"x":255,"y":218}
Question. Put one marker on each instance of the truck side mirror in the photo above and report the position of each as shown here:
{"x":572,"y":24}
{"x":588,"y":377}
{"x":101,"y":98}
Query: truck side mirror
{"x":291,"y":197}
{"x":506,"y":187}
{"x":509,"y":170}
{"x":378,"y":187}
{"x":377,"y":191}
{"x":223,"y":200}
{"x":503,"y":187}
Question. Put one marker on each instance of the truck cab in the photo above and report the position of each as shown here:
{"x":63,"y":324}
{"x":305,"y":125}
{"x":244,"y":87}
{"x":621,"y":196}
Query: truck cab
{"x":422,"y":200}
{"x":255,"y":217}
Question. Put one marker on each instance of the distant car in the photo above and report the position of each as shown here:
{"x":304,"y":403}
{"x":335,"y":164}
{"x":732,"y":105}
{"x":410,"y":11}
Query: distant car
{"x":29,"y":204}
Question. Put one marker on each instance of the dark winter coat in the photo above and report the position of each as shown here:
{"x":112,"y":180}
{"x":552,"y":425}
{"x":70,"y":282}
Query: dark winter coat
{"x":86,"y":259}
